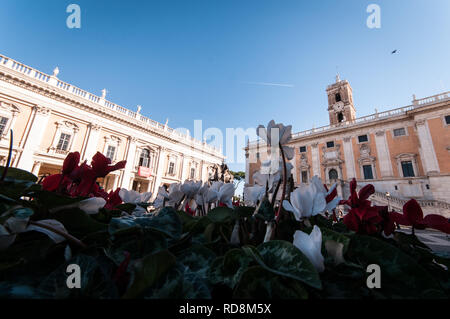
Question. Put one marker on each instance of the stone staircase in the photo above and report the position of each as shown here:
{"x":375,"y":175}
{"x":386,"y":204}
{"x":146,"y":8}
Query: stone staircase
{"x":395,"y":203}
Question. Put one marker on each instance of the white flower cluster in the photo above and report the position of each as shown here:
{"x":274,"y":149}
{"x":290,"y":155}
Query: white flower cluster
{"x":195,"y":194}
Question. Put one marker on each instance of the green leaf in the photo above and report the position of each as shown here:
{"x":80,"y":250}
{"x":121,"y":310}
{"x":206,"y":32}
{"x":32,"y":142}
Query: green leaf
{"x":138,"y":244}
{"x":78,"y":223}
{"x":401,"y":276}
{"x":258,"y":283}
{"x":328,"y":234}
{"x":166,"y":221}
{"x":243,"y":211}
{"x":220,"y":215}
{"x":197,"y":260}
{"x":95,"y":283}
{"x":147,"y":272}
{"x":265,"y":211}
{"x":19,"y":174}
{"x":52,"y":200}
{"x":126,"y":207}
{"x":187,"y":220}
{"x":228,"y":269}
{"x":177,"y":284}
{"x":283,"y":258}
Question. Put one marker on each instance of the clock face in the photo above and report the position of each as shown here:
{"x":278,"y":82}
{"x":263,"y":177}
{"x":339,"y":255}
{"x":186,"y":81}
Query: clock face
{"x":338,"y":107}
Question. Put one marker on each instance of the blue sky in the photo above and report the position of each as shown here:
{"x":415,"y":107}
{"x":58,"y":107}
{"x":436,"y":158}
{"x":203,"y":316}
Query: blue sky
{"x":200,"y":59}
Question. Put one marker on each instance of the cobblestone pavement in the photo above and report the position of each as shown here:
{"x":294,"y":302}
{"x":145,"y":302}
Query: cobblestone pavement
{"x":436,"y":240}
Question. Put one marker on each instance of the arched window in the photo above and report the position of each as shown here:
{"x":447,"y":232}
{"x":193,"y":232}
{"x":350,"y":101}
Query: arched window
{"x":340,"y":117}
{"x":144,"y":159}
{"x":332,"y":174}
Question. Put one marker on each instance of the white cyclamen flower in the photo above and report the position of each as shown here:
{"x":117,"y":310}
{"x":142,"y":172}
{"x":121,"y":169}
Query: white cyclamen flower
{"x":311,"y":245}
{"x":275,"y":133}
{"x":175,"y":194}
{"x":253,"y":195}
{"x":321,"y":188}
{"x":92,"y":205}
{"x":226,"y":193}
{"x":307,"y":200}
{"x":190,"y":188}
{"x":133,"y":197}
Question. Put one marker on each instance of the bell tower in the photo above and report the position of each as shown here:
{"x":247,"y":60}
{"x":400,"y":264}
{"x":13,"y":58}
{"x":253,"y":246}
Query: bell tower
{"x":340,"y":102}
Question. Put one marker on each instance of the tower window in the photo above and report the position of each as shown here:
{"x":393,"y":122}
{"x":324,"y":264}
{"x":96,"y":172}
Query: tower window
{"x":367,"y":169}
{"x":340,"y":117}
{"x":302,"y":149}
{"x":338,"y":97}
{"x":330,"y":144}
{"x":407,"y":168}
{"x":363,"y":138}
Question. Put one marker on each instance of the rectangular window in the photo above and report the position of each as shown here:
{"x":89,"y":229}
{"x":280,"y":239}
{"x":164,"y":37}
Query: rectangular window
{"x":110,"y":152}
{"x":192,"y":173}
{"x":363,"y":138}
{"x":400,"y":131}
{"x":367,"y":171}
{"x":447,"y":119}
{"x":330,"y":144}
{"x":63,"y":143}
{"x":171,"y":168}
{"x":302,"y":149}
{"x":304,"y":176}
{"x":3,"y":122}
{"x":407,"y":168}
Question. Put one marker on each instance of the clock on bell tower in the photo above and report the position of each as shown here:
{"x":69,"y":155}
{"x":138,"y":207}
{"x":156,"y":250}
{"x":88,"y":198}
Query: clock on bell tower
{"x":340,"y":102}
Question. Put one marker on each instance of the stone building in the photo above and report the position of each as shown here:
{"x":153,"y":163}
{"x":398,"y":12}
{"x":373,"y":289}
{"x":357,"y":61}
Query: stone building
{"x":404,"y":152}
{"x":51,"y":118}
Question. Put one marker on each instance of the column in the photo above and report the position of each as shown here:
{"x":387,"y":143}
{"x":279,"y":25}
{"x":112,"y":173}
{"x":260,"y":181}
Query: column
{"x":129,"y":167}
{"x":33,"y":140}
{"x":384,"y":157}
{"x":426,"y":149}
{"x":36,"y":168}
{"x":247,"y":167}
{"x":349,"y":158}
{"x":184,"y":173}
{"x":161,"y":166}
{"x":90,"y":148}
{"x":315,"y":159}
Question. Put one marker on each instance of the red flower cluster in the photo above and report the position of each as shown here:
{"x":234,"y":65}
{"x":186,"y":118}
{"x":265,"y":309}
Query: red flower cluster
{"x":80,"y":180}
{"x":413,"y":216}
{"x":367,"y":219}
{"x":362,"y":216}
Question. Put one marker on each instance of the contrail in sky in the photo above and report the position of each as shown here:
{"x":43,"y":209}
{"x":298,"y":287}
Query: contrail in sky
{"x":270,"y":84}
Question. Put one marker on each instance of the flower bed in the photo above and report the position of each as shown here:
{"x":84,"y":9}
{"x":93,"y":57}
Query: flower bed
{"x":197,"y":243}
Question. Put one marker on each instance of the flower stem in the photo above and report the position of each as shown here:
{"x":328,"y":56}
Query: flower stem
{"x":283,"y":193}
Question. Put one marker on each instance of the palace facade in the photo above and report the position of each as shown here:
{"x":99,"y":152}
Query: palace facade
{"x":404,"y":152}
{"x":51,"y":118}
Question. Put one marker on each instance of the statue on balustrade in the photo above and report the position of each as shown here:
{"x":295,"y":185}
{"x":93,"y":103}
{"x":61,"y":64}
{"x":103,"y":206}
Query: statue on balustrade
{"x":220,"y":173}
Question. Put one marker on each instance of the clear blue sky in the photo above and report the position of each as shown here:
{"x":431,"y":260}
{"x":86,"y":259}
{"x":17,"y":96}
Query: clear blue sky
{"x":199,"y":59}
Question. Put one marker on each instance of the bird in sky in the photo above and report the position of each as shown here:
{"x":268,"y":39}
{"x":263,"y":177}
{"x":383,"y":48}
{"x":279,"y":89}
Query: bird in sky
{"x":395,"y":51}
